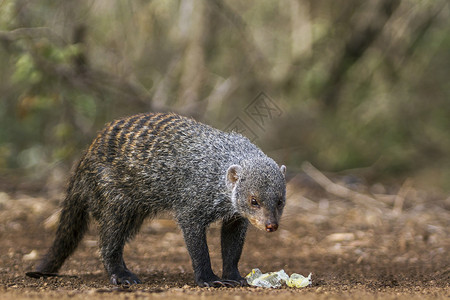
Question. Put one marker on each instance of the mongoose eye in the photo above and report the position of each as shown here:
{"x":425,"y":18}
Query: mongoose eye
{"x":280,"y":202}
{"x":254,"y":202}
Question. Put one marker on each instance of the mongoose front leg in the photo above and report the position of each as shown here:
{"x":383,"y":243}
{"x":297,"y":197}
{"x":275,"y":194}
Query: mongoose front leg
{"x":233,"y":236}
{"x":195,"y":238}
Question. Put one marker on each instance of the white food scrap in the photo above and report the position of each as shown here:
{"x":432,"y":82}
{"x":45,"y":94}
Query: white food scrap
{"x":277,"y":279}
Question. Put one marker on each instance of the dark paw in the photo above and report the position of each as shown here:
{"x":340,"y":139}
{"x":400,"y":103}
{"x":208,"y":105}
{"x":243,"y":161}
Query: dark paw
{"x":40,"y":274}
{"x":124,"y":277}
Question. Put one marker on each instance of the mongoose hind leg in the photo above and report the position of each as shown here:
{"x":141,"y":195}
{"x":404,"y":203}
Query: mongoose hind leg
{"x":118,"y":228}
{"x":232,"y":241}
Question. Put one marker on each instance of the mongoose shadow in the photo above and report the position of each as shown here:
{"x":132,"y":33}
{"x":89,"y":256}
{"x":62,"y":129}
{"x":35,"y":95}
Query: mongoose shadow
{"x":142,"y":165}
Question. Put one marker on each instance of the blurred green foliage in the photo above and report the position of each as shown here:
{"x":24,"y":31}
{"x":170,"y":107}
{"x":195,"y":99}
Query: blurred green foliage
{"x":362,"y":85}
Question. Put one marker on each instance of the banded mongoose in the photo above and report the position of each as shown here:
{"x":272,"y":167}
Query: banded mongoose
{"x":148,"y":163}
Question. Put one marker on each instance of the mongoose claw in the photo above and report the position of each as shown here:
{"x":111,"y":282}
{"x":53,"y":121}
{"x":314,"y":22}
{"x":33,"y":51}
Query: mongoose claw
{"x":124,"y":278}
{"x":243,"y":282}
{"x":231,"y":283}
{"x":222,"y":283}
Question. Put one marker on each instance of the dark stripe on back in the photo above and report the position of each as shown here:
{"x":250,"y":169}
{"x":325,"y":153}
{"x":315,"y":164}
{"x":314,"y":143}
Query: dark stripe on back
{"x":156,"y":130}
{"x":121,"y":136}
{"x":125,"y":132}
{"x":112,"y":144}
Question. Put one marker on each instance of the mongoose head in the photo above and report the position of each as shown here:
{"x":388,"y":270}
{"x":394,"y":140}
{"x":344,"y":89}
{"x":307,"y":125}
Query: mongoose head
{"x":258,"y":191}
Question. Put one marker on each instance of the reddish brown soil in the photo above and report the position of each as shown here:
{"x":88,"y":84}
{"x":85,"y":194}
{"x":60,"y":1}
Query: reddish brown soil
{"x":354,"y":250}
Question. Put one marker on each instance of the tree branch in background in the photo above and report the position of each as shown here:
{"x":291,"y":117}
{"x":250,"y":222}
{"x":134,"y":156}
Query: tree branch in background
{"x":79,"y":75}
{"x":418,"y":32}
{"x":30,"y":33}
{"x":339,"y":190}
{"x":252,"y":52}
{"x":353,"y":50}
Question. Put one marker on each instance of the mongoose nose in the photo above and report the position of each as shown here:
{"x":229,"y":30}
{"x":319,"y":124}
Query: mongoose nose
{"x":271,"y":227}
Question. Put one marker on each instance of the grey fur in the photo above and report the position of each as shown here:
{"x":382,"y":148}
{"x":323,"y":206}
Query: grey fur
{"x":149,"y":163}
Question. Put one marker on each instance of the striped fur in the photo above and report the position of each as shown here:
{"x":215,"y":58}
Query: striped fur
{"x":141,"y":165}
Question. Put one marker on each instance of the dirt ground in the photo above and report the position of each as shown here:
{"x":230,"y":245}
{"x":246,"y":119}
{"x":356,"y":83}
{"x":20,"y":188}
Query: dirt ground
{"x":358,"y":241}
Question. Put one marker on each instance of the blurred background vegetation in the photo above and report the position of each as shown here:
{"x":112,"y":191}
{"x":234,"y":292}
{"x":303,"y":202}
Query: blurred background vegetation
{"x":360,"y":85}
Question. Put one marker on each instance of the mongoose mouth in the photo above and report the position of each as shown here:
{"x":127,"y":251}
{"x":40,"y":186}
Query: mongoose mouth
{"x":257,"y":223}
{"x":265,"y":226}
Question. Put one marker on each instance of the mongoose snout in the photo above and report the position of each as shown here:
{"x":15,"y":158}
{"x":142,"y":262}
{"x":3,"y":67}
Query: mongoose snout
{"x":271,"y":227}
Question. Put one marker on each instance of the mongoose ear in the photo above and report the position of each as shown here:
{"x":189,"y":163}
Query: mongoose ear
{"x":283,"y":170}
{"x":233,"y":174}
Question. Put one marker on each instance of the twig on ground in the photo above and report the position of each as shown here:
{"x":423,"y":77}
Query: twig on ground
{"x":401,"y":195}
{"x":339,"y":190}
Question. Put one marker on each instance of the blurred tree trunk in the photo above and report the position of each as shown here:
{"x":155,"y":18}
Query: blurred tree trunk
{"x":356,"y":45}
{"x":192,"y":20}
{"x":301,"y":31}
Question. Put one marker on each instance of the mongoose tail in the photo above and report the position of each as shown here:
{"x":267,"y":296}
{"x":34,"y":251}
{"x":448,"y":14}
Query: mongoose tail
{"x":73,"y":223}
